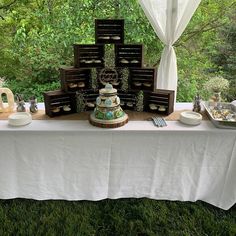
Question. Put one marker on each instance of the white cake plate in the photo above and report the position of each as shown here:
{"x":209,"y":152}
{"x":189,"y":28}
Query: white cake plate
{"x":20,"y":119}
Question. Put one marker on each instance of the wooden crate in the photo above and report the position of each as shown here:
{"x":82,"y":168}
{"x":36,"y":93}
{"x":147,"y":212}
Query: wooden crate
{"x":56,"y":100}
{"x":129,"y":55}
{"x":159,"y":99}
{"x":142,"y":79}
{"x":109,"y":31}
{"x":75,"y":79}
{"x":88,"y":56}
{"x":127,"y":100}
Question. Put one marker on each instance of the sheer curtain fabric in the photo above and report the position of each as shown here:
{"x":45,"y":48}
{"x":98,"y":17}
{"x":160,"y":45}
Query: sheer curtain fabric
{"x":168,"y":18}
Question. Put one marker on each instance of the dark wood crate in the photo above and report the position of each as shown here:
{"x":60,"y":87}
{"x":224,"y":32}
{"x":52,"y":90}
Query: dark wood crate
{"x":75,"y":79}
{"x":129,"y":55}
{"x":142,"y":79}
{"x":127,"y":100}
{"x":109,"y":31}
{"x":54,"y":100}
{"x":88,"y":56}
{"x":160,"y":98}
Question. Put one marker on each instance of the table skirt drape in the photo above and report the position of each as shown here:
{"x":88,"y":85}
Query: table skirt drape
{"x":73,"y":160}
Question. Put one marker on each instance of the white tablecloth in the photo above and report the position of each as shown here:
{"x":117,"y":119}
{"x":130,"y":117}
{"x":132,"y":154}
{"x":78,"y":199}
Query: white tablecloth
{"x":73,"y":160}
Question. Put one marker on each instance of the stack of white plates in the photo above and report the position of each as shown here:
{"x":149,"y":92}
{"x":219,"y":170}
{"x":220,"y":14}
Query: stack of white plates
{"x":190,"y":118}
{"x":19,"y":119}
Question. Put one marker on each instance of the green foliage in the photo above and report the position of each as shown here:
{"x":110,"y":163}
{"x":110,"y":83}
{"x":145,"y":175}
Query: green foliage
{"x":114,"y":217}
{"x":37,"y":37}
{"x":30,"y":88}
{"x":225,"y":55}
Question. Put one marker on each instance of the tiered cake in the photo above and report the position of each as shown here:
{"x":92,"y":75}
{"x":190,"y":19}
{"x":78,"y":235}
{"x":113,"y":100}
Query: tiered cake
{"x":108,"y":113}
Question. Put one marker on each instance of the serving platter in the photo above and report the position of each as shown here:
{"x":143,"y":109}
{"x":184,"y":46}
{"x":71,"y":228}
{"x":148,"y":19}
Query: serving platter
{"x":222,"y":115}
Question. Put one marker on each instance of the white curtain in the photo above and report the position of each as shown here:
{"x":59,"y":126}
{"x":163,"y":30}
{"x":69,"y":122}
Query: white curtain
{"x":168,"y":18}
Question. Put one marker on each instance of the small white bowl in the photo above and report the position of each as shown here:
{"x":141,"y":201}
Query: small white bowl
{"x":20,"y":119}
{"x":190,"y":118}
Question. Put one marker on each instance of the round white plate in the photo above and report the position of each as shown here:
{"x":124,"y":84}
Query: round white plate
{"x":190,"y":118}
{"x":19,"y":119}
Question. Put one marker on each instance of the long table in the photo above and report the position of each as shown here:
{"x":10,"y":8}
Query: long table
{"x":72,"y":160}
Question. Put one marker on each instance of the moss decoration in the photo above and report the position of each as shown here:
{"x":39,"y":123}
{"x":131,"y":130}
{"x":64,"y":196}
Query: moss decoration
{"x":139,"y":101}
{"x":80,"y":103}
{"x":125,"y":79}
{"x":94,"y":81}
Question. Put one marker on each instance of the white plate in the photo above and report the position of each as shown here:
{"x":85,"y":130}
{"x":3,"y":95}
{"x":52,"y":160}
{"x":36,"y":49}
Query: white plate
{"x":19,"y":119}
{"x":190,"y":118}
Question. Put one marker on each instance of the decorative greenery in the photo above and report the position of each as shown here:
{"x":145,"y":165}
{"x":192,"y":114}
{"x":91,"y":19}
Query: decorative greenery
{"x":37,"y":37}
{"x":80,"y":102}
{"x":217,"y":84}
{"x":109,"y":56}
{"x":125,"y":79}
{"x":94,"y":79}
{"x":139,"y":101}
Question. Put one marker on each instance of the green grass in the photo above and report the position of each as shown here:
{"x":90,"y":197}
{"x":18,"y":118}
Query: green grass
{"x":114,"y":217}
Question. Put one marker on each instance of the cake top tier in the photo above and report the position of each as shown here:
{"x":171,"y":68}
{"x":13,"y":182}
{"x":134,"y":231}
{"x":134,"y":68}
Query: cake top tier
{"x":108,"y":90}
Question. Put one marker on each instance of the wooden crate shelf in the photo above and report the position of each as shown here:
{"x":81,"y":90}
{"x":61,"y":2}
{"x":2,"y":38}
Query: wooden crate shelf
{"x":109,"y":31}
{"x":157,"y":101}
{"x":75,"y":79}
{"x":142,"y":79}
{"x":129,"y":55}
{"x":127,"y":100}
{"x":57,"y":101}
{"x":88,"y":56}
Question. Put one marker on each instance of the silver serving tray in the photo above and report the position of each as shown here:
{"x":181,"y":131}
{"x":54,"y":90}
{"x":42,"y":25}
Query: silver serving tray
{"x":220,"y":123}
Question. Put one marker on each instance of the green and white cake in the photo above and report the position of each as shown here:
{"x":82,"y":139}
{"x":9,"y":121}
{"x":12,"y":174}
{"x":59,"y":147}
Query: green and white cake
{"x":108,"y":113}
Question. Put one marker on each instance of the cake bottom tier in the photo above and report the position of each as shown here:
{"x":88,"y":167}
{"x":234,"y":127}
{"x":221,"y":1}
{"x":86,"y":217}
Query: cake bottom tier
{"x":108,"y":123}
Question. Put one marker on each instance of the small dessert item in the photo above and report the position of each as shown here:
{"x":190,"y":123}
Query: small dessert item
{"x":108,"y":102}
{"x":147,"y":84}
{"x":137,"y":84}
{"x":89,"y":61}
{"x":66,"y":108}
{"x":81,"y":84}
{"x":130,"y":104}
{"x":124,"y":61}
{"x":153,"y":106}
{"x":56,"y":109}
{"x":134,"y":61}
{"x":72,"y":85}
{"x":116,"y":37}
{"x":90,"y":104}
{"x":162,"y":108}
{"x":104,"y":37}
{"x":98,"y":101}
{"x":122,"y":103}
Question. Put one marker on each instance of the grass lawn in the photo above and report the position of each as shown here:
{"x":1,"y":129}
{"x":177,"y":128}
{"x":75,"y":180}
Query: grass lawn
{"x":114,"y":217}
